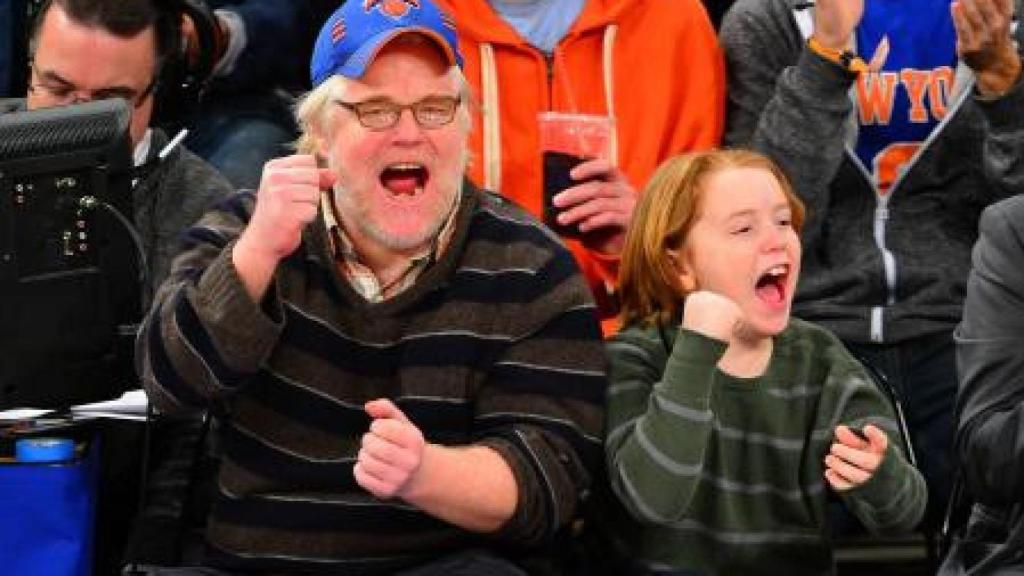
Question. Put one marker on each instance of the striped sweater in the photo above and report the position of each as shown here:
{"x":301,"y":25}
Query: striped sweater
{"x":726,"y":475}
{"x":497,"y":343}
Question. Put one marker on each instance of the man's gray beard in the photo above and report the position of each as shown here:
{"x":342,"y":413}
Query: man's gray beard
{"x":369,"y":228}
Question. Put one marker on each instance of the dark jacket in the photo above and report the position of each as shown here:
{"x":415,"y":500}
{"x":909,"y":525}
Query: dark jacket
{"x":172,"y":196}
{"x":990,"y":357}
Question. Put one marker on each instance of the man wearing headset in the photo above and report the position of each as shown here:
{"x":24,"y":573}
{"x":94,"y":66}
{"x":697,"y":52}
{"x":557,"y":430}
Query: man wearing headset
{"x":82,"y":50}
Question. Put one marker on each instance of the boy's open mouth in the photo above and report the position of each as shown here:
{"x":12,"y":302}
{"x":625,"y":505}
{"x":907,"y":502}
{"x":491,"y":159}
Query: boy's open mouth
{"x":771,"y":285}
{"x":405,"y":178}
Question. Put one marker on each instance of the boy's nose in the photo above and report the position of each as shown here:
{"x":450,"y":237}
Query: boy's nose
{"x":774,"y":239}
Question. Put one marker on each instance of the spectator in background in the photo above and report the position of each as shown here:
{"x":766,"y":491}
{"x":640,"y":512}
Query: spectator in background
{"x":989,"y":342}
{"x":896,"y":152}
{"x":90,"y":49}
{"x":244,"y":117}
{"x":728,"y":422}
{"x":406,"y":372}
{"x":653,"y":68}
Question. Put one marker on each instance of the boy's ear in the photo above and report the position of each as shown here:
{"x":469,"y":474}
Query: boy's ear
{"x":685,"y":273}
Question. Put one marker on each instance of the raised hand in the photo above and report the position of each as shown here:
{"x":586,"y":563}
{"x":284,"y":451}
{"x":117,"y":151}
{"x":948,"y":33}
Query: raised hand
{"x":853,"y":458}
{"x":983,"y":41}
{"x":392,"y":451}
{"x":715,"y":316}
{"x":288,"y":199}
{"x":600,"y":207}
{"x":835,"y":21}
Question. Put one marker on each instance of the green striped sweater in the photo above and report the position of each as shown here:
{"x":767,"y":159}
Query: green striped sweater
{"x":496,"y":343}
{"x":725,"y":475}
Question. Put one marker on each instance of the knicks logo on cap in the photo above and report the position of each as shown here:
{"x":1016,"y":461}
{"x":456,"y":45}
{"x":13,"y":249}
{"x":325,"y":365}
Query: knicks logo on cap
{"x":394,"y":8}
{"x":338,"y":31}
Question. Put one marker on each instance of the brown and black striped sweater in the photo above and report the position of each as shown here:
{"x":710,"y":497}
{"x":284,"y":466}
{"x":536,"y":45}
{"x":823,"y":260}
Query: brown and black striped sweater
{"x":497,"y":343}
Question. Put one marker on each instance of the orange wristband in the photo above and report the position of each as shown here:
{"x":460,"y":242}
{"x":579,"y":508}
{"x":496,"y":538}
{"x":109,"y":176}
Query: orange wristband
{"x":848,"y":60}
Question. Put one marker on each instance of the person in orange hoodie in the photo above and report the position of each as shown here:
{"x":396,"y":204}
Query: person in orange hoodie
{"x":653,"y":68}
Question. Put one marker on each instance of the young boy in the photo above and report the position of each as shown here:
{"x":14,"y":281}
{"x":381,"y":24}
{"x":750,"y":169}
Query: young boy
{"x":725,"y":434}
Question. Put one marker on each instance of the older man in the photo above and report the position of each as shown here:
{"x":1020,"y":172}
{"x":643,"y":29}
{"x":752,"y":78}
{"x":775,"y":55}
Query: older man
{"x":402,"y":367}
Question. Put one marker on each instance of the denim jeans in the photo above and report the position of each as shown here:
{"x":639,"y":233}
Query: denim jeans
{"x":239,"y":134}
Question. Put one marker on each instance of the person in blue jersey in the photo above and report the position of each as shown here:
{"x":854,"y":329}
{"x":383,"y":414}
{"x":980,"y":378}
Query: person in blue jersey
{"x":406,"y":373}
{"x":898,"y":122}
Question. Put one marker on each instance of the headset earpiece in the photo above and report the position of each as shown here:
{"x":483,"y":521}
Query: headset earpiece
{"x":183,"y":79}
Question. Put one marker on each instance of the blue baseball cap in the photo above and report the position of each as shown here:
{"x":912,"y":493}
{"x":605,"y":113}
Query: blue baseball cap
{"x":353,"y":35}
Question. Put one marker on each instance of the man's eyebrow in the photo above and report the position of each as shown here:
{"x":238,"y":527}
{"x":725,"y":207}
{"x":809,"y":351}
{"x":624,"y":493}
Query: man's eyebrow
{"x":51,"y":76}
{"x":116,"y":90}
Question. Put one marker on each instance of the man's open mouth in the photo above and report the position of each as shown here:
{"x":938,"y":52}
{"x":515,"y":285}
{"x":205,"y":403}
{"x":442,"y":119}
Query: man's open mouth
{"x":405,"y":178}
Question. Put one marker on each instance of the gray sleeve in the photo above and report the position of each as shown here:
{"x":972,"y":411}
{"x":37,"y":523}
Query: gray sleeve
{"x":990,"y":429}
{"x":187,"y":189}
{"x":1003,"y":158}
{"x":784,"y":100}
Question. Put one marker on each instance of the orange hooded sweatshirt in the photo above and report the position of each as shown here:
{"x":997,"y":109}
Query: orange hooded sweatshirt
{"x":653,"y":66}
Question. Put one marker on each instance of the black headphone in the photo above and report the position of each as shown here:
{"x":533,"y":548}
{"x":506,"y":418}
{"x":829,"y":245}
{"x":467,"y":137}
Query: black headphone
{"x":181,"y":83}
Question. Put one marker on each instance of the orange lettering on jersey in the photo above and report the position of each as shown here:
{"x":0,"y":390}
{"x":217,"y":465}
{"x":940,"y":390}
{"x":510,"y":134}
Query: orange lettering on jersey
{"x":915,"y":82}
{"x":940,"y":89}
{"x":890,"y":161}
{"x":875,"y":92}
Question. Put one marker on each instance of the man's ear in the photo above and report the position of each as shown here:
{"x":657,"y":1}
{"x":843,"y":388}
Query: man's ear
{"x":684,"y":271}
{"x":320,"y":140}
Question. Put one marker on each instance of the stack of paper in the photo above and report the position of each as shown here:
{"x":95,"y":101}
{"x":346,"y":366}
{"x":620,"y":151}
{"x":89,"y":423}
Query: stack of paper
{"x":130,"y":406}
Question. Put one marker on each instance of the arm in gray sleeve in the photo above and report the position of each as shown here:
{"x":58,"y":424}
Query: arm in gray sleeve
{"x":783,"y":99}
{"x":990,"y":339}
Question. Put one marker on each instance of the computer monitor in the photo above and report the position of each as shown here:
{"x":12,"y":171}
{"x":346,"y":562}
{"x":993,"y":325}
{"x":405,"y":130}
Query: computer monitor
{"x":69,"y":269}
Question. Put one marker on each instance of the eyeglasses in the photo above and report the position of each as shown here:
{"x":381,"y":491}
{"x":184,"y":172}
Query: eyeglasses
{"x":380,"y":114}
{"x":60,"y":93}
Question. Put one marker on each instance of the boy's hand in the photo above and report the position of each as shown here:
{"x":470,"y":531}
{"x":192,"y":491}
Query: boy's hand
{"x":853,"y":458}
{"x":714,"y":316}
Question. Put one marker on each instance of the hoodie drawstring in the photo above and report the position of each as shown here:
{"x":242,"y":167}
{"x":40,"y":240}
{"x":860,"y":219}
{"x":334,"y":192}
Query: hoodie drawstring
{"x":491,"y":111}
